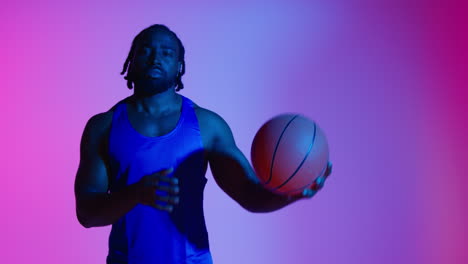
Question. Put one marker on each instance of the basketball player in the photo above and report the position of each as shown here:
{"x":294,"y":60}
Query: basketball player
{"x":143,"y":163}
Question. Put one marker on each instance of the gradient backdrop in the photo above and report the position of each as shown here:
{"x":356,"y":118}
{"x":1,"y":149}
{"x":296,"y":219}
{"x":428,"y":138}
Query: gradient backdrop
{"x":386,"y":81}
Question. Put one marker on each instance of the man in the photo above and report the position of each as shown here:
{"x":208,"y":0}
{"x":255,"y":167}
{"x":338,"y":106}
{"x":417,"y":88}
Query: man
{"x":143,"y":163}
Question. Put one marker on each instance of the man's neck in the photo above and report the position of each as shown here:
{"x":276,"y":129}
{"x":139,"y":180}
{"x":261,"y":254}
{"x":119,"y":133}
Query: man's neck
{"x":158,"y":104}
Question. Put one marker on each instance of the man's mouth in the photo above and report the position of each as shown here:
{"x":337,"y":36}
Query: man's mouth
{"x":155,"y":72}
{"x":156,"y":69}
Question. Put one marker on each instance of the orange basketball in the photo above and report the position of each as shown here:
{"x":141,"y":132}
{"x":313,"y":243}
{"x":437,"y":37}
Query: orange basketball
{"x":288,"y":153}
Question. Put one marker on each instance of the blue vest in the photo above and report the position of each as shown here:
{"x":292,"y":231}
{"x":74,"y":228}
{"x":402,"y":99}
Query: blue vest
{"x":146,"y":235}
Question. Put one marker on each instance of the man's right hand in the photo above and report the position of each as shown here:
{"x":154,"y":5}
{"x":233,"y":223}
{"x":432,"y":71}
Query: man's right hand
{"x":148,"y":186}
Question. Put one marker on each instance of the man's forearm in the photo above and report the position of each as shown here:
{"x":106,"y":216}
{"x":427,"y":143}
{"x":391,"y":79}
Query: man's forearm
{"x":257,"y":199}
{"x":101,"y":209}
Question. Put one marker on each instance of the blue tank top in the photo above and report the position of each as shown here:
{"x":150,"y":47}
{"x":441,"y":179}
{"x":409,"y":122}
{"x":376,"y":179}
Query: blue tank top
{"x":146,"y":235}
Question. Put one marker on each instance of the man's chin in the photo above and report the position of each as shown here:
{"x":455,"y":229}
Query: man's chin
{"x":151,"y":91}
{"x":154,"y":77}
{"x":149,"y":88}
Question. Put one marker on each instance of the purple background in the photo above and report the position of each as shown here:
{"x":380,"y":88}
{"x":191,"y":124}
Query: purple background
{"x":385,"y":81}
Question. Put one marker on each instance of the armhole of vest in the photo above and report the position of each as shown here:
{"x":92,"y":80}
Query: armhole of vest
{"x":188,"y":101}
{"x":107,"y":151}
{"x":116,"y":111}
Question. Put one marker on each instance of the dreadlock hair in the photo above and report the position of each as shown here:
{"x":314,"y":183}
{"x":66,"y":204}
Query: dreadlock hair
{"x":127,"y":65}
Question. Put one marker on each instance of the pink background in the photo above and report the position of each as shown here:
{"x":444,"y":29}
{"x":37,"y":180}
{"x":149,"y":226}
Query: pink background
{"x":387,"y":82}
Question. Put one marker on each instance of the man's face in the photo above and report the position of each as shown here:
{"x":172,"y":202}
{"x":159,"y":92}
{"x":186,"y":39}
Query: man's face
{"x":156,"y":63}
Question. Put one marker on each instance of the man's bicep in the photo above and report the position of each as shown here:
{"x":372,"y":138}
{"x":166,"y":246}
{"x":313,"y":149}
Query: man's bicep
{"x":92,"y":174}
{"x":230,"y":168}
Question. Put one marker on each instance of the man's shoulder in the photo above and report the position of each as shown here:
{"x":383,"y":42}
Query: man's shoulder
{"x":213,"y":127}
{"x":208,"y":117}
{"x":101,"y":122}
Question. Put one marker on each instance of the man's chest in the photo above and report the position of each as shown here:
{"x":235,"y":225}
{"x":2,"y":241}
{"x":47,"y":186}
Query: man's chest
{"x":149,"y":126}
{"x":157,"y":127}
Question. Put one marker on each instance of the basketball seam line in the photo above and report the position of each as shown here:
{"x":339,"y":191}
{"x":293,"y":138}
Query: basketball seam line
{"x":305,"y":158}
{"x":276,"y":148}
{"x":307,"y":185}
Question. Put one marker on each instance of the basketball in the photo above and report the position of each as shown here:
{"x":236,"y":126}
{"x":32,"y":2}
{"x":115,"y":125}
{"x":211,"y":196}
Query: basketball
{"x":288,"y":153}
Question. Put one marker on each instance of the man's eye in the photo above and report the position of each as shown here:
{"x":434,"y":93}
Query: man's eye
{"x":143,"y":51}
{"x":167,"y":53}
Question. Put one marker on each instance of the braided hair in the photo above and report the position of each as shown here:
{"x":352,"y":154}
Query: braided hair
{"x":127,"y":65}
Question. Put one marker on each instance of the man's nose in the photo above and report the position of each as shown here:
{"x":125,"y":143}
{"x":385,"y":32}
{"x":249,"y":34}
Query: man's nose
{"x":155,"y":58}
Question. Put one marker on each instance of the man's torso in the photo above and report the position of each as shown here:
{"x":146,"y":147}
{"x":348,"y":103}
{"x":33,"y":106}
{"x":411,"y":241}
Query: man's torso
{"x":139,"y":144}
{"x":156,"y":126}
